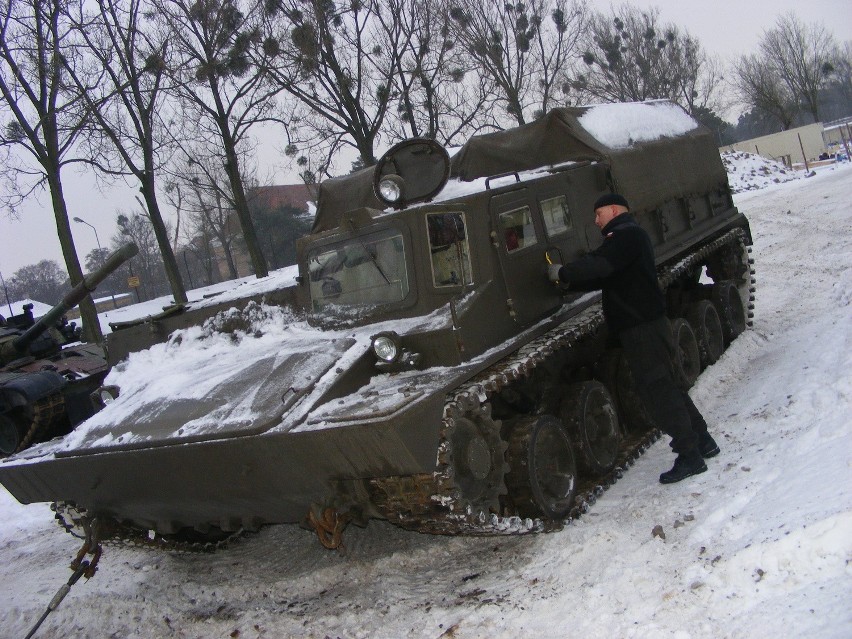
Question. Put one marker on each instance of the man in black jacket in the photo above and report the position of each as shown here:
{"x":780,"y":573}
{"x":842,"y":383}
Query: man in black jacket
{"x":634,"y":308}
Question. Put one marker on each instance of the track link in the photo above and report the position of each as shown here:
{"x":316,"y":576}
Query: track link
{"x":73,"y":520}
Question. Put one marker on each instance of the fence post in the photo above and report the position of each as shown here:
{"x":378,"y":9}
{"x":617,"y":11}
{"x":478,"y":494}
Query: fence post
{"x":802,"y":146}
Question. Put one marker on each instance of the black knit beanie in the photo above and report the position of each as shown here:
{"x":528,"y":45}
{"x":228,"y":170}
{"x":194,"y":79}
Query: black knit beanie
{"x":611,"y":198}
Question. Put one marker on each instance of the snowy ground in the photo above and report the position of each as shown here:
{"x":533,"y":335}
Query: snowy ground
{"x":758,"y":546}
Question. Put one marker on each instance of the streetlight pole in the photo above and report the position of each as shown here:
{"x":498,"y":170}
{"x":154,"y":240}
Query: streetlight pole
{"x":100,"y":249}
{"x":6,"y":291}
{"x":77,"y":219}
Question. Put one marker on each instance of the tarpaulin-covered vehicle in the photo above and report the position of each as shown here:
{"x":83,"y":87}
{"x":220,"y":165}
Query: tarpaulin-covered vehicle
{"x":420,"y":367}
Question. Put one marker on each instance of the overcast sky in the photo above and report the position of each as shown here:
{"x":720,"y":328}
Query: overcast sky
{"x":726,"y":28}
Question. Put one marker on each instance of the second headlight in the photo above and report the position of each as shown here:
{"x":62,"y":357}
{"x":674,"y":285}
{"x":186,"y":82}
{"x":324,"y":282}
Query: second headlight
{"x":386,"y":346}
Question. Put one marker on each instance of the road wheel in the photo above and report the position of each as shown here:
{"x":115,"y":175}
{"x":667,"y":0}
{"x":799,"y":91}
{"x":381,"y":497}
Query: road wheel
{"x":477,"y":460}
{"x":10,"y":435}
{"x":633,"y":415}
{"x":707,"y":326}
{"x":589,"y":415}
{"x":542,"y":478}
{"x":687,"y":362}
{"x":729,"y":304}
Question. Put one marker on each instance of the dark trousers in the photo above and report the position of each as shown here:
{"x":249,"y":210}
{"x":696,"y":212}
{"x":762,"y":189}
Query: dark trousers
{"x":649,"y":349}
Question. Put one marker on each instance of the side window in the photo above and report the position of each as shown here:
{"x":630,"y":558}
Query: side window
{"x":517,"y":229}
{"x":555,"y":213}
{"x":449,"y":249}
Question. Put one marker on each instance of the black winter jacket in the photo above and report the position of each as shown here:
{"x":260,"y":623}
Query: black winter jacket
{"x":623,"y":268}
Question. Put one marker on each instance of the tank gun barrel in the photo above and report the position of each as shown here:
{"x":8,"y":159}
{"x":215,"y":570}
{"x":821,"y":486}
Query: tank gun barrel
{"x":19,"y":345}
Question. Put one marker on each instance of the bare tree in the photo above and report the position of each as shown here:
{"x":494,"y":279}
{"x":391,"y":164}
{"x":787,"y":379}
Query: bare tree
{"x":119,"y":75}
{"x":196,"y":239}
{"x":803,"y":55}
{"x":438,"y":94}
{"x":841,"y":82}
{"x":200,"y":181}
{"x":761,"y":88}
{"x":699,"y":80}
{"x":45,"y":122}
{"x":43,"y":282}
{"x":557,"y":45}
{"x":499,"y":37}
{"x":631,"y":56}
{"x":525,"y":48}
{"x":337,"y":62}
{"x":220,"y":69}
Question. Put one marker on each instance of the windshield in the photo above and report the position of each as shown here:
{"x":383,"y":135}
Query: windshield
{"x":361,"y":272}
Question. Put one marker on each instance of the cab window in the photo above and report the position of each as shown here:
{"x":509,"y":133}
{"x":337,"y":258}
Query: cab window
{"x":517,"y":230}
{"x":449,"y":249}
{"x":555,"y":213}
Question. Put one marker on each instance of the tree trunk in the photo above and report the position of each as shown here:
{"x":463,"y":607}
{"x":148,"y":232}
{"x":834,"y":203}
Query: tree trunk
{"x":515,"y":108}
{"x":232,"y":168}
{"x":88,"y":313}
{"x":169,"y":261}
{"x":365,"y":143}
{"x":229,"y":259}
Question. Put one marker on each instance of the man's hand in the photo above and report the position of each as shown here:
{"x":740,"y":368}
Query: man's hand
{"x":553,"y":272}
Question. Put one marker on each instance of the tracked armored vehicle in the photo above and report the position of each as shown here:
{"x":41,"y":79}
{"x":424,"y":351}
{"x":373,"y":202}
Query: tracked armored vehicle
{"x":420,"y":367}
{"x":46,"y":375}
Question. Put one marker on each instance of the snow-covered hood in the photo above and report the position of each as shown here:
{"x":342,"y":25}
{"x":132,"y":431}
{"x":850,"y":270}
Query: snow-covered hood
{"x":211,"y":386}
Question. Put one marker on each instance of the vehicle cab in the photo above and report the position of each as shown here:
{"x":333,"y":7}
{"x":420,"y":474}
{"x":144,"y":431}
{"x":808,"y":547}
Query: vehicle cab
{"x":472,"y":255}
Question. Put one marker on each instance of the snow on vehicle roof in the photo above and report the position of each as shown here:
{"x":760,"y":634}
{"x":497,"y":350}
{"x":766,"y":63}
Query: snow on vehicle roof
{"x":457,"y":188}
{"x":621,"y":125}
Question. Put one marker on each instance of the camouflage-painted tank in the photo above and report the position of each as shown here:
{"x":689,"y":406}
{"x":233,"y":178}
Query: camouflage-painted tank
{"x":46,"y":375}
{"x":420,"y":367}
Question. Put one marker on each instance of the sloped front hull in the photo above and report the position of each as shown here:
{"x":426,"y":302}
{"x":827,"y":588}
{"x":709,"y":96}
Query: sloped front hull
{"x":235,"y":482}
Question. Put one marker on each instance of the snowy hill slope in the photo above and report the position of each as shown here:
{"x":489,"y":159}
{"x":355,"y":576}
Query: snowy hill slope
{"x":758,"y":546}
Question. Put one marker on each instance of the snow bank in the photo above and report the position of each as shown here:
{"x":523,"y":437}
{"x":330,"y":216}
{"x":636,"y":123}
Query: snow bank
{"x":204,"y":296}
{"x":749,"y":172}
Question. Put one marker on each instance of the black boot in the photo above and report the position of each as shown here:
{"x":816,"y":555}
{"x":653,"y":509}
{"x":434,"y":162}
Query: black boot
{"x":707,"y":446}
{"x":686,"y":465}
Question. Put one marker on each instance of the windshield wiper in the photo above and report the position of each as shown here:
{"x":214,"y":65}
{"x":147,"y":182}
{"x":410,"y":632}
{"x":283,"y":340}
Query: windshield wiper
{"x":374,"y":260}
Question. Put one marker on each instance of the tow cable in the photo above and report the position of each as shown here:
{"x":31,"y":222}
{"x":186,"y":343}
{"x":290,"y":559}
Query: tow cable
{"x":81,"y":567}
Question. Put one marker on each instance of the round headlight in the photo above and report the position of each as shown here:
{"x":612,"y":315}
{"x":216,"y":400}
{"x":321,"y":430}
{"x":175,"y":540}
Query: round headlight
{"x":390,"y":190}
{"x":107,"y":396}
{"x":385,"y":348}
